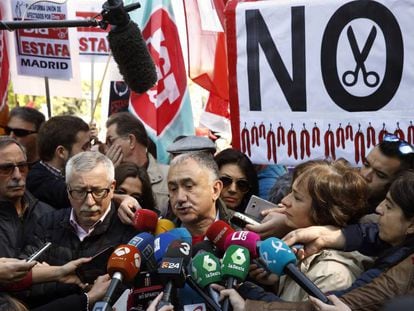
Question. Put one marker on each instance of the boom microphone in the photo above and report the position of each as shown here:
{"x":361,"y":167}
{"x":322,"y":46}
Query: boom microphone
{"x":280,"y":259}
{"x":218,"y":232}
{"x":123,"y":265}
{"x":144,"y":242}
{"x":145,"y":220}
{"x":129,"y":48}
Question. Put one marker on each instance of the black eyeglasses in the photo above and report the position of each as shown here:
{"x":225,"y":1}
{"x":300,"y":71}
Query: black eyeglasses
{"x":136,"y":196}
{"x":8,"y":168}
{"x":242,"y":184}
{"x":98,"y":194}
{"x":18,"y":132}
{"x":403,"y":147}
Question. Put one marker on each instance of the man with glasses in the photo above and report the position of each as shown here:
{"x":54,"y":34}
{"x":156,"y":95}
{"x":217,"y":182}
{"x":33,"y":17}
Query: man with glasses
{"x":23,"y":125}
{"x":19,"y":210}
{"x":59,"y":139}
{"x":89,"y":226}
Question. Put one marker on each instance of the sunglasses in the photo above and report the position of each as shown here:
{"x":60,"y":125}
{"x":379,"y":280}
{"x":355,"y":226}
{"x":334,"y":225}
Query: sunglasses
{"x":8,"y":169}
{"x":242,"y":184}
{"x":403,"y":147}
{"x":18,"y":132}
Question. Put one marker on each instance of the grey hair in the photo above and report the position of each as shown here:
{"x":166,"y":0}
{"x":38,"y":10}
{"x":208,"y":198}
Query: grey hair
{"x":86,"y":161}
{"x":7,"y":140}
{"x":204,"y":159}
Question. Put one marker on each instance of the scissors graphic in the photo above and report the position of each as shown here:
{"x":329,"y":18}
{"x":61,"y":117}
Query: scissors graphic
{"x":371,"y":78}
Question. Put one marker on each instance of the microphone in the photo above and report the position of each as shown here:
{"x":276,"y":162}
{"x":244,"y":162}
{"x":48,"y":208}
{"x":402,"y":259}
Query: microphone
{"x":280,"y":259}
{"x":163,"y":225}
{"x":144,"y":242}
{"x":218,"y":232}
{"x":123,"y":265}
{"x":171,"y":268}
{"x":205,"y":270}
{"x":145,"y":220}
{"x":247,"y":239}
{"x":235,"y":266}
{"x":161,"y":244}
{"x":129,"y":48}
{"x":183,"y":234}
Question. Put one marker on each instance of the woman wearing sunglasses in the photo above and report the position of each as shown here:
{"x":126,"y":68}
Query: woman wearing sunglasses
{"x":134,"y":181}
{"x":239,"y":178}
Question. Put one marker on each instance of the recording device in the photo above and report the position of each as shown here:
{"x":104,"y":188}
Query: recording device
{"x":89,"y":271}
{"x":218,"y":232}
{"x":183,"y":234}
{"x":247,"y":239}
{"x":240,"y":220}
{"x":129,"y":49}
{"x":256,"y":205}
{"x":39,"y":252}
{"x":161,"y":244}
{"x":123,"y":266}
{"x":205,"y":270}
{"x":147,"y":286}
{"x":145,"y":220}
{"x":206,"y":246}
{"x":163,"y":225}
{"x":144,"y":242}
{"x":171,"y":269}
{"x":280,"y":259}
{"x":235,"y":266}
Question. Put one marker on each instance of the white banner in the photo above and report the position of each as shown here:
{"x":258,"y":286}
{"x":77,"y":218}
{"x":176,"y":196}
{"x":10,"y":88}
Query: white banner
{"x":42,"y":52}
{"x":322,"y":78}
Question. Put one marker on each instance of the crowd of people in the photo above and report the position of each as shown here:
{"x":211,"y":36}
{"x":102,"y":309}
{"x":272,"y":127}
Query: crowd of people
{"x":356,"y":225}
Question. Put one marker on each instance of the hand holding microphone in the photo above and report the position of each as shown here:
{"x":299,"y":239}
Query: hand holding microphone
{"x":123,"y":265}
{"x":280,"y":259}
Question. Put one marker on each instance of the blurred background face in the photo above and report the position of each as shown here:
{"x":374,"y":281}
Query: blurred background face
{"x":392,"y":223}
{"x":27,"y":140}
{"x":235,"y":185}
{"x":89,"y":210}
{"x":131,"y":186}
{"x":298,"y":205}
{"x":12,"y":185}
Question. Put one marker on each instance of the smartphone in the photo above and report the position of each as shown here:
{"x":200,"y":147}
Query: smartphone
{"x":256,"y":205}
{"x":39,"y":252}
{"x":89,"y":271}
{"x":240,"y":220}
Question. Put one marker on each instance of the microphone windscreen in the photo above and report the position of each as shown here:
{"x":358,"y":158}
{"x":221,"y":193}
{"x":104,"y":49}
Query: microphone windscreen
{"x":126,"y":260}
{"x":161,"y":243}
{"x":276,"y":254}
{"x":145,"y":220}
{"x":144,"y":242}
{"x":217,"y":233}
{"x":179,"y":249}
{"x":133,"y":58}
{"x":236,"y":262}
{"x":183,"y":234}
{"x":246,"y":239}
{"x":205,"y":269}
{"x":163,"y":225}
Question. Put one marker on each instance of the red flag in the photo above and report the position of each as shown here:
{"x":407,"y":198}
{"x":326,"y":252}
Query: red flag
{"x":207,"y":55}
{"x":4,"y":75}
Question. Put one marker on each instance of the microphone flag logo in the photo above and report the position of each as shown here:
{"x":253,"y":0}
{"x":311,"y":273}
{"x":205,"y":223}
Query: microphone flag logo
{"x":209,"y":264}
{"x":238,"y":257}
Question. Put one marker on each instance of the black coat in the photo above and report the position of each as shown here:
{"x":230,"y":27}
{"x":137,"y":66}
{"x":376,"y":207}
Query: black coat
{"x":14,"y":231}
{"x":66,"y":246}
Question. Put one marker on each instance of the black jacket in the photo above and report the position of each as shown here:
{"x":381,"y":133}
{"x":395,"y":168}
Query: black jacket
{"x":14,"y":231}
{"x":66,"y":246}
{"x":47,"y":186}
